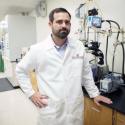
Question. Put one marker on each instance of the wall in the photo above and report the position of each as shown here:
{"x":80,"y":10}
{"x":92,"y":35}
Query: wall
{"x":113,"y":10}
{"x":21,"y":33}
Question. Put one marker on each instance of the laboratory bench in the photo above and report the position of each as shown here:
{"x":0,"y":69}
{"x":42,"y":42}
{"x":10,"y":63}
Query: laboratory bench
{"x":106,"y":114}
{"x":118,"y":98}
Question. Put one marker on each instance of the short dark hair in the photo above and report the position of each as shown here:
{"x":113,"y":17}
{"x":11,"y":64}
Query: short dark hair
{"x":57,"y":10}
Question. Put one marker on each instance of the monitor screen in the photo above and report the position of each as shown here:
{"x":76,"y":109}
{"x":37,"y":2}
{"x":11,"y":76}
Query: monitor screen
{"x":94,"y":21}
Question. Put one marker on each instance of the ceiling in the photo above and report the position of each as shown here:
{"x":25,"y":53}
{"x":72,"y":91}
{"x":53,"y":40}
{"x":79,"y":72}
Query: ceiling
{"x":16,"y":6}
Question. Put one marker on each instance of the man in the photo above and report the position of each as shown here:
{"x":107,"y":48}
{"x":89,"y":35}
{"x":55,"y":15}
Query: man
{"x":61,"y":68}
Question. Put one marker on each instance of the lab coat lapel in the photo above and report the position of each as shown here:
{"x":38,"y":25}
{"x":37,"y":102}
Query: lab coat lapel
{"x":68,"y":52}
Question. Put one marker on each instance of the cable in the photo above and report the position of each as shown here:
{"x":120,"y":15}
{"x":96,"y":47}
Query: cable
{"x":123,"y":65}
{"x":109,"y":21}
{"x":117,"y":26}
{"x":107,"y":41}
{"x":88,"y":35}
{"x":113,"y":58}
{"x":106,"y":53}
{"x":122,"y":60}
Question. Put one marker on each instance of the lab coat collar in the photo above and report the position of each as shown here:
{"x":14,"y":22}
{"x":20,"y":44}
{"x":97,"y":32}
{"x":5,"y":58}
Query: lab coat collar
{"x":51,"y":45}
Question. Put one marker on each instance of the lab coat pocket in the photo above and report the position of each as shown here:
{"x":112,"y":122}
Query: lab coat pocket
{"x":51,"y":113}
{"x":76,"y":111}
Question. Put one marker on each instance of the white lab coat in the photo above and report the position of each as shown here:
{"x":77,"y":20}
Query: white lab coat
{"x":60,"y":79}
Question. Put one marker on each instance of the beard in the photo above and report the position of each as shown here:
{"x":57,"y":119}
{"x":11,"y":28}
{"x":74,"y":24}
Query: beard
{"x":62,"y":34}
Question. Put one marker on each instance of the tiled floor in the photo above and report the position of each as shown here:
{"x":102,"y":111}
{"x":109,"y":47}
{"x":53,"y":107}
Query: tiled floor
{"x":16,"y":109}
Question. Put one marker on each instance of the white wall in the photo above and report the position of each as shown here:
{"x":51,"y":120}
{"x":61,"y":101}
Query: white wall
{"x":113,"y":9}
{"x":21,"y":33}
{"x":110,"y":9}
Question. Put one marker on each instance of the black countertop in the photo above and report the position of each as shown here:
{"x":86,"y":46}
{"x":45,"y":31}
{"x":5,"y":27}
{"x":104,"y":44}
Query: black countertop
{"x":118,"y":98}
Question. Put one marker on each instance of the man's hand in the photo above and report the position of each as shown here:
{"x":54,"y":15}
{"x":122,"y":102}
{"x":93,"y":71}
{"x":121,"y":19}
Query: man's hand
{"x":39,"y":100}
{"x":100,"y":98}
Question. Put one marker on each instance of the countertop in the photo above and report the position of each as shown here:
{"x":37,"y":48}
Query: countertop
{"x":118,"y":98}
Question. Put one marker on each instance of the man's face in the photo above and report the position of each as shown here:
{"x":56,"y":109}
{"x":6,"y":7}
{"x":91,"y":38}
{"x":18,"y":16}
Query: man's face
{"x":61,"y":25}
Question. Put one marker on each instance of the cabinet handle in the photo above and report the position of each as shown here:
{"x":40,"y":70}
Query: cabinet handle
{"x":93,"y":108}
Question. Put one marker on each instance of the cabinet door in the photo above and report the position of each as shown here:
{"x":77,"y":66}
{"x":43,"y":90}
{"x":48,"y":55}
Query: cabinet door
{"x":119,"y":119}
{"x":96,"y":115}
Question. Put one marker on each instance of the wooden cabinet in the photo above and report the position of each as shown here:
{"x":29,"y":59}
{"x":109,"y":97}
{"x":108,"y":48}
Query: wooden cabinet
{"x":96,"y":115}
{"x":101,"y":115}
{"x":33,"y":80}
{"x":119,"y":119}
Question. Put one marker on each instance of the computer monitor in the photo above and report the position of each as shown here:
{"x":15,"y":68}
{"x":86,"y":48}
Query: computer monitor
{"x":94,"y":21}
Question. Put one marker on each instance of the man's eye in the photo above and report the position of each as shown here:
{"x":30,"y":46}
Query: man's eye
{"x":67,"y":22}
{"x":60,"y":22}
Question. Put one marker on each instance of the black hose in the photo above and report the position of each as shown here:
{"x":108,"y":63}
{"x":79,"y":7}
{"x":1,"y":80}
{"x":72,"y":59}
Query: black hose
{"x":113,"y":58}
{"x":88,"y":35}
{"x":122,"y":60}
{"x":116,"y":45}
{"x":107,"y":41}
{"x":123,"y":65}
{"x":106,"y":52}
{"x":117,"y":26}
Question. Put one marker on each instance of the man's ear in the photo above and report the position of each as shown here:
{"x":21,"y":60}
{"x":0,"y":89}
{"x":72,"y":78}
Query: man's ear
{"x":50,"y":23}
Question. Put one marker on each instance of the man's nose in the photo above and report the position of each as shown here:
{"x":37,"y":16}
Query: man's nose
{"x":64,"y":24}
